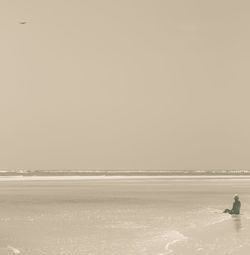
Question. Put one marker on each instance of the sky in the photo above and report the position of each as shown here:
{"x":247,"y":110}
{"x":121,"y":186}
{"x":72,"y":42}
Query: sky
{"x":135,"y":84}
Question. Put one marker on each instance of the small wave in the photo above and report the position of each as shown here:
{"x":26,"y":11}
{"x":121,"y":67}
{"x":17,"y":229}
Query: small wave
{"x":216,"y":216}
{"x":14,"y":250}
{"x":206,"y":216}
{"x":219,"y":220}
{"x":173,"y":237}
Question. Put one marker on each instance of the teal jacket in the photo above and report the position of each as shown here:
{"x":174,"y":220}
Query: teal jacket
{"x":236,"y":207}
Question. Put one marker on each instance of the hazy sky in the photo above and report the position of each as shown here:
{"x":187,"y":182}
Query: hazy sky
{"x":132,"y":84}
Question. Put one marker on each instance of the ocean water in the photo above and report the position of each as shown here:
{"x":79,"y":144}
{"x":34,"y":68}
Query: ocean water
{"x":126,"y":216}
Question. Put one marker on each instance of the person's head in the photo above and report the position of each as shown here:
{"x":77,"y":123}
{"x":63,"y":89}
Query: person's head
{"x":236,"y":197}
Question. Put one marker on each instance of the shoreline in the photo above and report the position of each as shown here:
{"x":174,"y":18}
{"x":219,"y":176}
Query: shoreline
{"x":119,"y":177}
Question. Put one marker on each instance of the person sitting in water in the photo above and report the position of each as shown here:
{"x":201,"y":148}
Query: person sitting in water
{"x":236,"y":206}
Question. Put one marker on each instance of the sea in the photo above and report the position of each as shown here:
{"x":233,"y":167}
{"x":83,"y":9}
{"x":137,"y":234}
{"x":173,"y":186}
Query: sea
{"x":123,"y":214}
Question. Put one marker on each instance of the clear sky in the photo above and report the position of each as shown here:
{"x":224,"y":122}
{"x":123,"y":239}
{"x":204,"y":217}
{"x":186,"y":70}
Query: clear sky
{"x":132,"y":84}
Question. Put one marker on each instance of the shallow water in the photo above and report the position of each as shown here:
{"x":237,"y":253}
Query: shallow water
{"x":124,"y":216}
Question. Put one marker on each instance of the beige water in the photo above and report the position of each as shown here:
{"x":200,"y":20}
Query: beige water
{"x":123,"y":217}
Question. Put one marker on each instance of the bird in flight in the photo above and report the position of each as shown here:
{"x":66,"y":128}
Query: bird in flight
{"x":22,"y":23}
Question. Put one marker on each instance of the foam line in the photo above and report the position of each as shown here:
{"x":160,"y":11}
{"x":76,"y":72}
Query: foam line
{"x":14,"y":250}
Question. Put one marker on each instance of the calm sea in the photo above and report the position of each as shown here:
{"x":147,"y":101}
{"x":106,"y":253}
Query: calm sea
{"x":126,"y":216}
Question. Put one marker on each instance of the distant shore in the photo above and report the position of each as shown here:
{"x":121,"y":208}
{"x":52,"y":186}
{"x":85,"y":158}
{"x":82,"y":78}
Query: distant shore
{"x":65,"y":178}
{"x":124,"y":174}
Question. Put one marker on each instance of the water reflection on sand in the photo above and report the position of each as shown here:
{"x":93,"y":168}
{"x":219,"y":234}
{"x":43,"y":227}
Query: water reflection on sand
{"x":236,"y":219}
